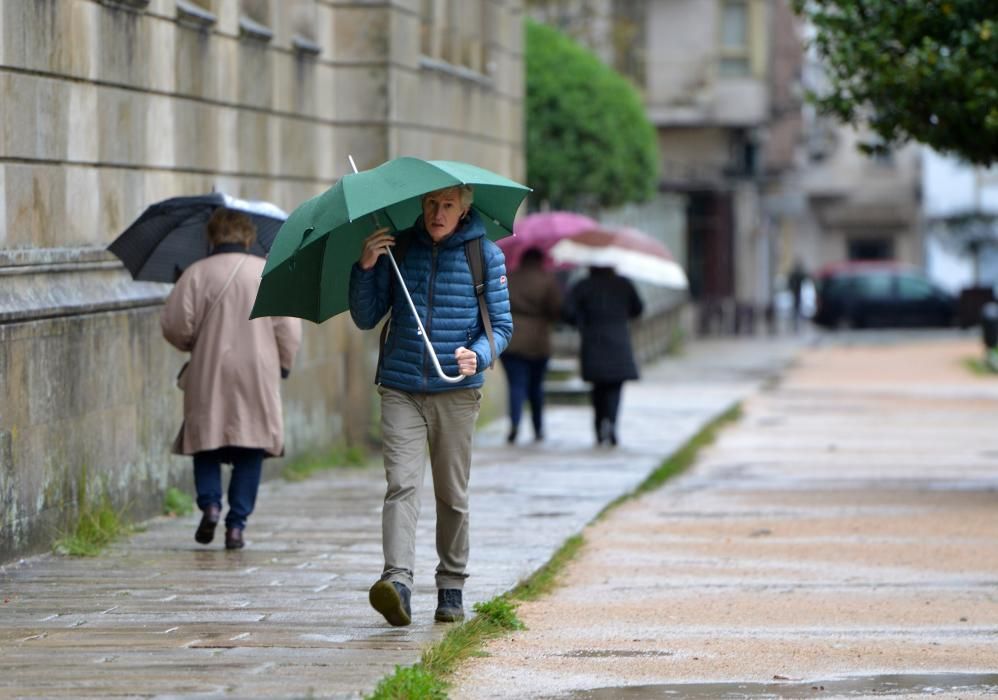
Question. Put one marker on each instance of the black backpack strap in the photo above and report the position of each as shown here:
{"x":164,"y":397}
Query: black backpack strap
{"x":476,"y":262}
{"x":401,"y":247}
{"x":402,"y":242}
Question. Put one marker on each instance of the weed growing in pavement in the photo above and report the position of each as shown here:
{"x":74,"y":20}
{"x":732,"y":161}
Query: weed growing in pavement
{"x":177,"y":503}
{"x":409,"y":683}
{"x":677,"y":341}
{"x":96,"y":526}
{"x":979,"y":367}
{"x":427,"y":679}
{"x":338,"y":457}
{"x":500,"y":612}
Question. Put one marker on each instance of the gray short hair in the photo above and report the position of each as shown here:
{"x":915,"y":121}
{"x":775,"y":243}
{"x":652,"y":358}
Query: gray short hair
{"x":466,"y":192}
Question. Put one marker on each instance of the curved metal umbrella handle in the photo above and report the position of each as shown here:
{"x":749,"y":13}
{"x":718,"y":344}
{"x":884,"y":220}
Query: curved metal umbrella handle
{"x":412,"y":306}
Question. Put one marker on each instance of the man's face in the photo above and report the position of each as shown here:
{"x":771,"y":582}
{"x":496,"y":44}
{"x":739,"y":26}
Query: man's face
{"x":441,"y":213}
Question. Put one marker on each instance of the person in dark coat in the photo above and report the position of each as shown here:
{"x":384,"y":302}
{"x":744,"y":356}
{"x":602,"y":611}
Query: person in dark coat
{"x":795,"y":283}
{"x":535,"y":300}
{"x":600,"y":305}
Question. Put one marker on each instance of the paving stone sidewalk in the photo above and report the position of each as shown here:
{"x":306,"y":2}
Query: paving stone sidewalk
{"x":159,"y":616}
{"x":838,"y":540}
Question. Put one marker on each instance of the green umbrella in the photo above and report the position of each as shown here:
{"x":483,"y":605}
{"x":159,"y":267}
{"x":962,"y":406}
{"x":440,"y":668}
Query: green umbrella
{"x":307,"y":274}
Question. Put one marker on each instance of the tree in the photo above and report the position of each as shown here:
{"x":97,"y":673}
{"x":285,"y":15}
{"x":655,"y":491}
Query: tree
{"x":922,"y":70}
{"x":588,"y":138}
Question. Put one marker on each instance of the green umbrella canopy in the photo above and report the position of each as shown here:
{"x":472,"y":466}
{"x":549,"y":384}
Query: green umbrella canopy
{"x":307,"y":274}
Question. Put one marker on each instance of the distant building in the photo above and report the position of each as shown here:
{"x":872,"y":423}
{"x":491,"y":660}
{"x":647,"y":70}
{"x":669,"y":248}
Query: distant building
{"x":859,"y":207}
{"x":960,"y":215}
{"x":722,"y":86}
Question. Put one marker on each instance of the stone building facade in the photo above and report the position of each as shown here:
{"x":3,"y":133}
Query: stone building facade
{"x":107,"y":106}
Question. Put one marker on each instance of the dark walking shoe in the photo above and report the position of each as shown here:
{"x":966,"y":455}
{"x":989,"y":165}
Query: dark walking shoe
{"x":511,"y":438}
{"x":449,"y":607}
{"x":606,"y":432}
{"x":234,"y":538}
{"x":391,"y":599}
{"x":206,"y":528}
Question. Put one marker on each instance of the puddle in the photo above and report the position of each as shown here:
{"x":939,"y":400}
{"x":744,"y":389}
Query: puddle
{"x":881,"y":686}
{"x":328,"y":638}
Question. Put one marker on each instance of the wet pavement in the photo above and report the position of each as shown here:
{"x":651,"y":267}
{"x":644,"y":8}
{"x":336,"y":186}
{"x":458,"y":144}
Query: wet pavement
{"x":159,"y":616}
{"x":837,"y":541}
{"x":953,"y":684}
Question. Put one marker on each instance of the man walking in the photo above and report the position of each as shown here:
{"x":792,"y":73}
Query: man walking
{"x":418,"y":408}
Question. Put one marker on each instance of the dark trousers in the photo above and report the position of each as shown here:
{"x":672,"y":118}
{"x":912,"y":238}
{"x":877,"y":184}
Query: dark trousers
{"x":246,"y":464}
{"x":525,"y":376}
{"x":606,"y":403}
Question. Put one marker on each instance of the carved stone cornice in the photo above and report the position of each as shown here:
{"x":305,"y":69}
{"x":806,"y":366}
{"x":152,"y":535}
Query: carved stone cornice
{"x":52,"y":282}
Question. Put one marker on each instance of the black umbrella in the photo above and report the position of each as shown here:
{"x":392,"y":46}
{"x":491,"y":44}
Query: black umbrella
{"x":172,"y":234}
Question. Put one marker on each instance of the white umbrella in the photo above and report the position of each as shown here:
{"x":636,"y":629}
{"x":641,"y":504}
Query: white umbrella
{"x":630,"y":252}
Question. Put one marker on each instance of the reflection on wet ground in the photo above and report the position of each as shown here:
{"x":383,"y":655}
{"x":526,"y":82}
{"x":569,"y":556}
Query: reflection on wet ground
{"x":880,"y":686}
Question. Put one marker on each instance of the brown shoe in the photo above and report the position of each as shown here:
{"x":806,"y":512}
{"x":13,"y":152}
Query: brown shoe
{"x":234,"y":538}
{"x":206,"y":528}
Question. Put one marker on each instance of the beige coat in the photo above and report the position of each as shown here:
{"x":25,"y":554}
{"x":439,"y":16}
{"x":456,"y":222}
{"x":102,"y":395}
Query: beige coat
{"x":232,"y":385}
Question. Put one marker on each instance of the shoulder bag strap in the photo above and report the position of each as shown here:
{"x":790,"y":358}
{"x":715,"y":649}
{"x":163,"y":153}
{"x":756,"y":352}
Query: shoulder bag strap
{"x":214,"y":302}
{"x":476,"y":261}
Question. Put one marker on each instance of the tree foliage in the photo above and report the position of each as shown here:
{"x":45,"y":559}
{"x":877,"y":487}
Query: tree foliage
{"x":588,"y":138}
{"x":922,"y":70}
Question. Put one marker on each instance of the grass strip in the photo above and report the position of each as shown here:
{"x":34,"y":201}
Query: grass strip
{"x":428,"y":679}
{"x":679,"y":461}
{"x":546,"y":578}
{"x":978,"y":366}
{"x":335,"y":458}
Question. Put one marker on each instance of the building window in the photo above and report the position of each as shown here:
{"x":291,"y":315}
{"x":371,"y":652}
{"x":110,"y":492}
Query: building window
{"x":197,"y":13}
{"x":870,"y":248}
{"x":734,"y":54}
{"x":305,"y":18}
{"x":456,"y":33}
{"x":630,"y":21}
{"x":254,"y":20}
{"x":135,"y":4}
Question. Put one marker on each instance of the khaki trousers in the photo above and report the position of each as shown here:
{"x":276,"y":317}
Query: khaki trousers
{"x":444,"y":421}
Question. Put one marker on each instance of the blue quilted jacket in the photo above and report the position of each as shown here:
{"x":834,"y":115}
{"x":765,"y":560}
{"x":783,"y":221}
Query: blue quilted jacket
{"x":439,"y":280}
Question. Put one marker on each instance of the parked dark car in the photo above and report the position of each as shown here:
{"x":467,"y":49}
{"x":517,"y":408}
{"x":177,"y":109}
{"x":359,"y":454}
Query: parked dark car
{"x":880,"y":294}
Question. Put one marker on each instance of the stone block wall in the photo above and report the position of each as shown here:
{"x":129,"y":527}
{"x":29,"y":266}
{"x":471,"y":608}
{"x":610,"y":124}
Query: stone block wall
{"x":107,"y":106}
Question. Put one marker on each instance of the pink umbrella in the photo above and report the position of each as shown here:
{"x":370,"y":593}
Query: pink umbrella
{"x":542,"y":231}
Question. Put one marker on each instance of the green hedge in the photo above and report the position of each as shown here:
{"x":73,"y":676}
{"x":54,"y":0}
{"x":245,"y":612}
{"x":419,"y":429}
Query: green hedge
{"x":589,"y":140}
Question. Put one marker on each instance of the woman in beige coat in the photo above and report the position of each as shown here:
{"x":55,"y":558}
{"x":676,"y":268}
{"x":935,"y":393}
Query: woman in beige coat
{"x":232,"y":402}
